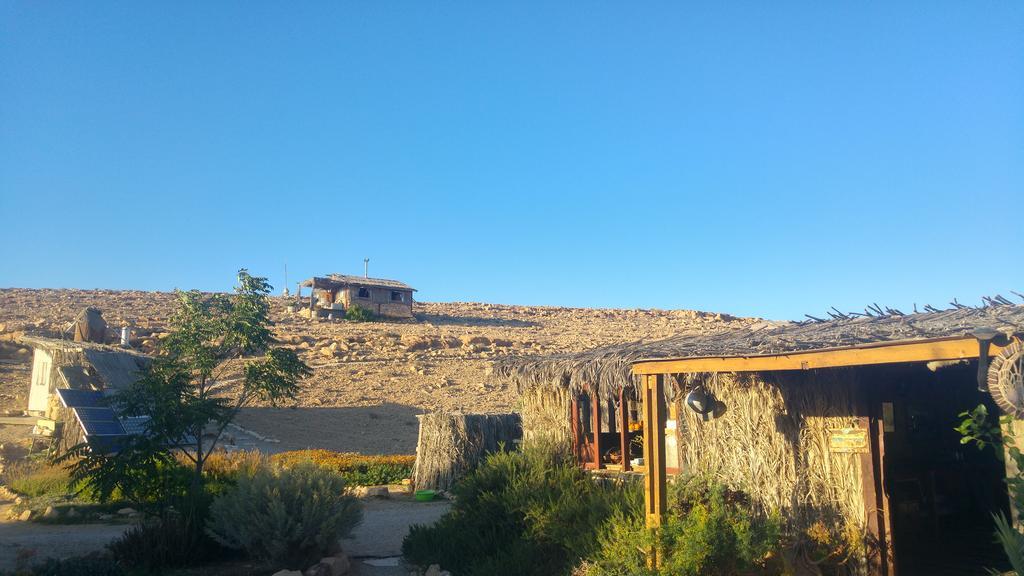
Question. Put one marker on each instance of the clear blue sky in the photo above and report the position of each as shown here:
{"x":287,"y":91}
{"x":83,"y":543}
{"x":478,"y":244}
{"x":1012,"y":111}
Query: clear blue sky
{"x":758,"y":158}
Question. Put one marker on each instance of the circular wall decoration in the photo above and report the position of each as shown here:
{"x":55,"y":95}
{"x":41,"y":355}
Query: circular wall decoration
{"x":1006,"y":379}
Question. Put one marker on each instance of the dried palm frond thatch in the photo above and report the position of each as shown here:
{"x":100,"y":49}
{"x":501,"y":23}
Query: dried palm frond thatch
{"x":606,"y":370}
{"x":450,"y":444}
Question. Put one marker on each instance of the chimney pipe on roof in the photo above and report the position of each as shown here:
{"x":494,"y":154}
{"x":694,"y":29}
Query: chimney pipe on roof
{"x":366,"y":267}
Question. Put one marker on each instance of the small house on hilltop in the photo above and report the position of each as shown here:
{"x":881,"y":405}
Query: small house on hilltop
{"x":69,"y":383}
{"x":846,"y":424}
{"x":339,"y":292}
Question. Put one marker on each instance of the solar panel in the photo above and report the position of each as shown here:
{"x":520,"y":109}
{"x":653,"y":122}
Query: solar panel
{"x":80,"y":398}
{"x":135,"y":424}
{"x":99,"y":422}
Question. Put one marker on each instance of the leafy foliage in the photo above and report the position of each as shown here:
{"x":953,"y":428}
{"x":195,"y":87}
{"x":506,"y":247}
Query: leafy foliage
{"x":90,"y":565}
{"x":529,"y":512}
{"x":356,"y":313}
{"x":291,"y":515}
{"x":179,"y":394}
{"x":981,"y":429}
{"x":356,"y":469}
{"x":166,"y":541}
{"x":708,"y":530}
{"x":978,"y":427}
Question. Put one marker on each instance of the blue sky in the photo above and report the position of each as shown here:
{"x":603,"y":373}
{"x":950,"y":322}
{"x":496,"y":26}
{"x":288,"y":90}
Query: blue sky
{"x":772,"y":159}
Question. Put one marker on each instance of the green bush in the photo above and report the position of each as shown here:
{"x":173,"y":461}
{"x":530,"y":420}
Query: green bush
{"x":530,"y":512}
{"x":709,"y":530}
{"x":294,"y":515}
{"x":90,"y":565}
{"x":171,"y":540}
{"x":34,"y":480}
{"x":356,"y":313}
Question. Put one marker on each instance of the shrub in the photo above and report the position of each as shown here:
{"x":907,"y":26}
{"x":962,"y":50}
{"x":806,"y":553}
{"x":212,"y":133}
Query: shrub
{"x":529,"y":512}
{"x":708,"y":530}
{"x":356,"y":313}
{"x":167,"y":541}
{"x":35,"y":479}
{"x":291,"y":515}
{"x":355,"y":469}
{"x":90,"y":565}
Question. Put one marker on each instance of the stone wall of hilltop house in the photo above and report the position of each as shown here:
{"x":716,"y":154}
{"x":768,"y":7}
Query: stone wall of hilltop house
{"x":770,"y":439}
{"x":379,"y":302}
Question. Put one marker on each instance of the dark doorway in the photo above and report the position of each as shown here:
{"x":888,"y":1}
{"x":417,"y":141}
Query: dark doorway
{"x":942,"y":493}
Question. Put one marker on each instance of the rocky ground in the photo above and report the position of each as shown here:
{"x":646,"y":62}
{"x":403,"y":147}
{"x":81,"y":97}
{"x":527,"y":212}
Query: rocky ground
{"x":370,"y":379}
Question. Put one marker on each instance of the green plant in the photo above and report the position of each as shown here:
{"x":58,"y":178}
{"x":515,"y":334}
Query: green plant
{"x":977,"y":427}
{"x":179,"y":394}
{"x":356,"y":313}
{"x":94,"y":564}
{"x":708,"y":530}
{"x":528,"y":512}
{"x":38,"y":479}
{"x":292,"y":515}
{"x":166,"y":541}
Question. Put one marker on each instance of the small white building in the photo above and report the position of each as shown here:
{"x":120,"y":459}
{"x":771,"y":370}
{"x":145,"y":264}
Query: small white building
{"x":77,"y":366}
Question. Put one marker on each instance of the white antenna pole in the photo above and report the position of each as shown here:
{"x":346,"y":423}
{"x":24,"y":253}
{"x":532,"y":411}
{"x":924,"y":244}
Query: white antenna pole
{"x":366,"y":267}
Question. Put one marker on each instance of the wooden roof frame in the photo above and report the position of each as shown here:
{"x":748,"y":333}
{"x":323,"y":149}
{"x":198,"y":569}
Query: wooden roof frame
{"x":931,"y":350}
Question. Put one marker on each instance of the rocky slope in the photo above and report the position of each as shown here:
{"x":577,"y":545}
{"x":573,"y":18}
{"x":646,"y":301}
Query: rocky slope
{"x":370,"y":379}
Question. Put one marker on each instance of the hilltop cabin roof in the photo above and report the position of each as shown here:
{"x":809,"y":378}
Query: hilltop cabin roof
{"x":344,"y":280}
{"x":877,"y":339}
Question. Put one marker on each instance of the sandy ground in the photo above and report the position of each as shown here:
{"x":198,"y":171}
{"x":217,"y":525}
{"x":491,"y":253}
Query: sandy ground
{"x":385,"y":524}
{"x":370,"y":379}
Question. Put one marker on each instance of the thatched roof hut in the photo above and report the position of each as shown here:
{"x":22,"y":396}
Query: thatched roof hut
{"x":846,"y":424}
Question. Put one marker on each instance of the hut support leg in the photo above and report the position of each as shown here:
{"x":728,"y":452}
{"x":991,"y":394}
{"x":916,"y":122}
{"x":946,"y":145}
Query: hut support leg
{"x":596,"y":400}
{"x":654,"y":457}
{"x":624,"y":429}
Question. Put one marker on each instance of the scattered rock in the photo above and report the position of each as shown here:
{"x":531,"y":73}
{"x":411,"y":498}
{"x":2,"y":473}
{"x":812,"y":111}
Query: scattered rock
{"x":371,"y":491}
{"x":127,"y":512}
{"x":337,"y":565}
{"x":287,"y":573}
{"x":71,"y":513}
{"x":50,"y":513}
{"x":433,"y":570}
{"x":25,"y":516}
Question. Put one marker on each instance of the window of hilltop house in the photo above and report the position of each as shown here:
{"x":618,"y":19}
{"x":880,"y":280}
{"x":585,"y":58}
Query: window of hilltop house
{"x":363,"y":293}
{"x":396,"y":296}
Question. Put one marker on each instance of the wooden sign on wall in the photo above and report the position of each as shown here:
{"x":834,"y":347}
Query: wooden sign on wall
{"x":848,"y":440}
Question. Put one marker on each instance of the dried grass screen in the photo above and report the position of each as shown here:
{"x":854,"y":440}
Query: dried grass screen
{"x":451,"y":444}
{"x":772,"y":441}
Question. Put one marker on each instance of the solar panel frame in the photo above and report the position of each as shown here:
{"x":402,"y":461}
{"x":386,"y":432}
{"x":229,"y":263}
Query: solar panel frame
{"x":72,"y":398}
{"x":99,"y":421}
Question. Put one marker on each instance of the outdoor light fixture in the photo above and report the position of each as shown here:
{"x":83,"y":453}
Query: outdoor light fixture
{"x":701,"y":402}
{"x":985,"y":337}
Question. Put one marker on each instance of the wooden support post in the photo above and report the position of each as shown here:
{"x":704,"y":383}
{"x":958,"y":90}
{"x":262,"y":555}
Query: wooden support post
{"x":577,"y":442}
{"x":654,"y":457}
{"x":312,"y":299}
{"x":596,"y":419}
{"x":624,"y":429}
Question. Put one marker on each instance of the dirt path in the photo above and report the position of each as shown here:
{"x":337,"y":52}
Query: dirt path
{"x":385,"y":524}
{"x":35,"y":542}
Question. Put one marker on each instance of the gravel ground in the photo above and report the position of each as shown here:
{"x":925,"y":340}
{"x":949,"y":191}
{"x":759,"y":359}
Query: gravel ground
{"x":385,"y":524}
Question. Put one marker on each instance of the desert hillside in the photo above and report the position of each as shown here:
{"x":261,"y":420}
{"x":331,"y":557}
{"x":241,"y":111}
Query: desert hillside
{"x":370,"y":379}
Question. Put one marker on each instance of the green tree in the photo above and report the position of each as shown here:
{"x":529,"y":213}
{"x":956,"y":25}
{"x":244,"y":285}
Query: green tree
{"x":184,"y":395}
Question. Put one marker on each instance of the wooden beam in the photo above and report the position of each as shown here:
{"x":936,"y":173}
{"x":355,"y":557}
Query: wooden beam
{"x":574,"y":418}
{"x":595,"y":400}
{"x":624,"y":429}
{"x":888,"y":353}
{"x":654,"y":449}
